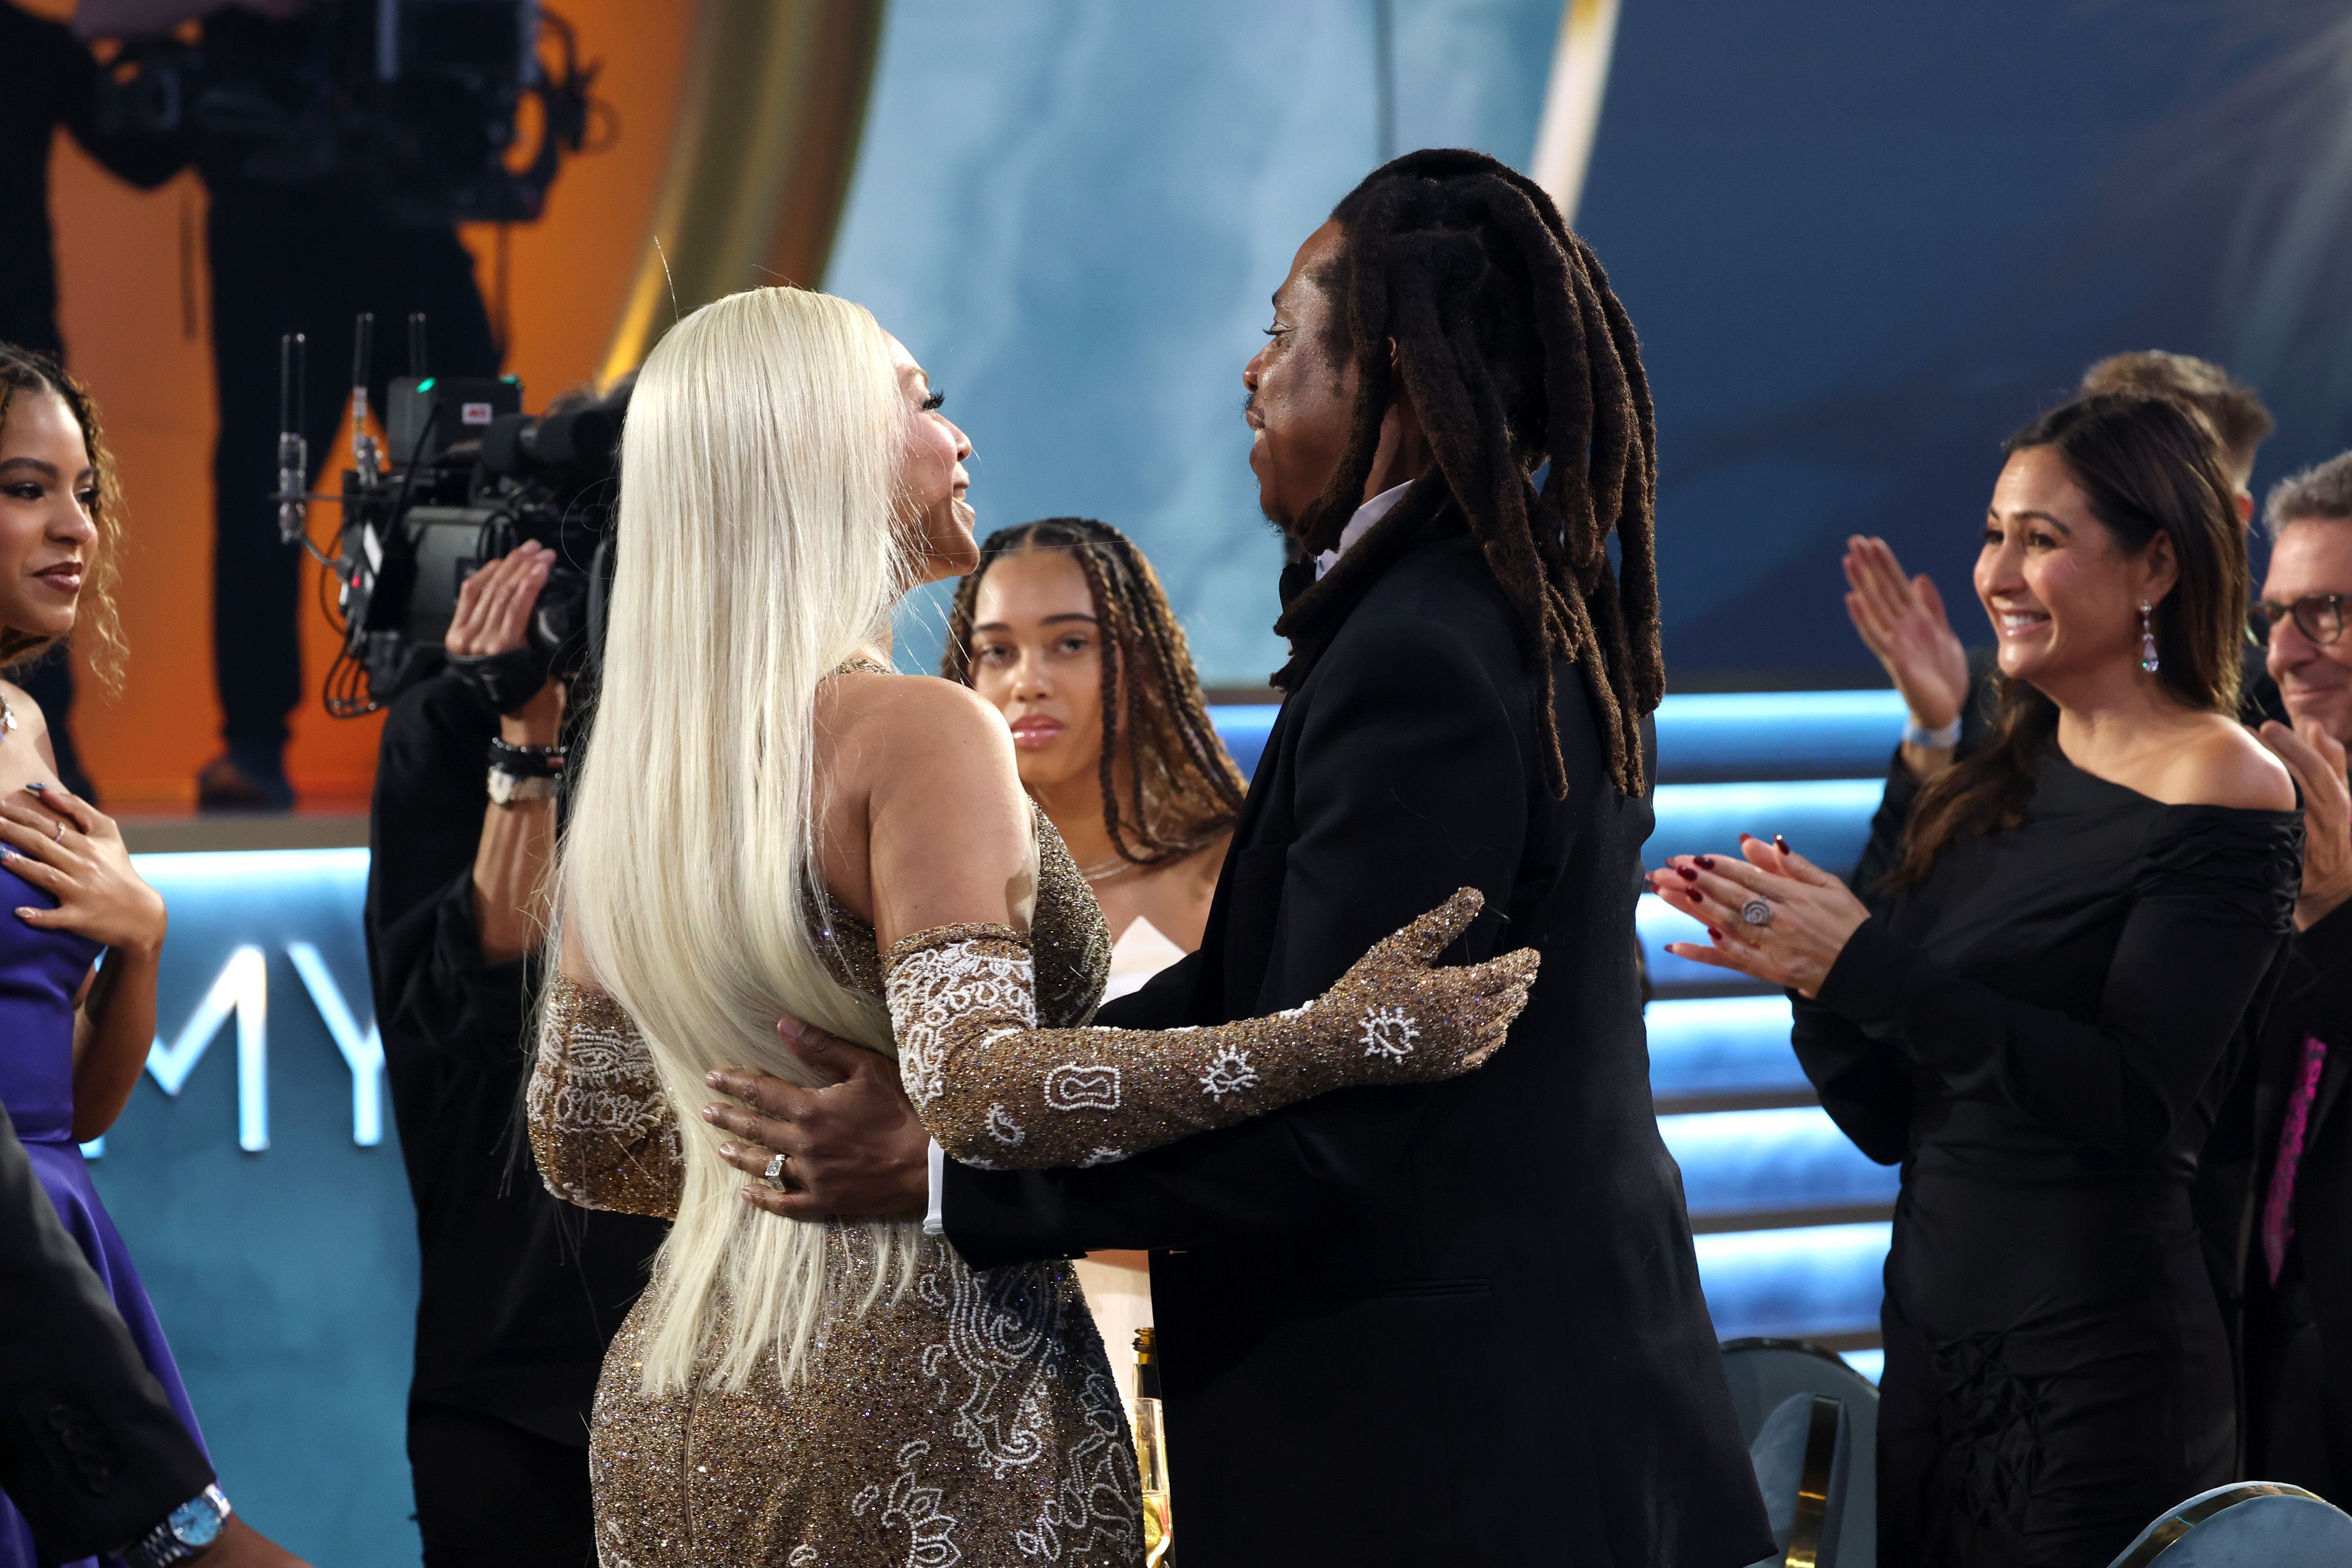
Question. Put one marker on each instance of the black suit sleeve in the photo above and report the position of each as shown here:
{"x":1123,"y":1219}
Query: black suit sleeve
{"x":435,"y":995}
{"x":91,"y":1451}
{"x":1409,"y":783}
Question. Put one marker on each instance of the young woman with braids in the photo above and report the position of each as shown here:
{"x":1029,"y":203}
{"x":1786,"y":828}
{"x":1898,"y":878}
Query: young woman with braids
{"x":2038,"y":1000}
{"x":1064,"y":629}
{"x":1458,"y":1323}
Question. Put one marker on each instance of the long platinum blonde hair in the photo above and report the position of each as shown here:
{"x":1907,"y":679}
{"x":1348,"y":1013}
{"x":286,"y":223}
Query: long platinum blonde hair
{"x":757,"y":550}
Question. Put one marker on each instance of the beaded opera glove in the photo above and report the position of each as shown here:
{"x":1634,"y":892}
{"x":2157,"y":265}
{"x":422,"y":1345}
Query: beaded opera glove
{"x":999,"y":1093}
{"x":601,"y":1129}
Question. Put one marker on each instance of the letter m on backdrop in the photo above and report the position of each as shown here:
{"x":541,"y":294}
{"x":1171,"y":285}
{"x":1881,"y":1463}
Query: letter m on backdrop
{"x":242,"y":988}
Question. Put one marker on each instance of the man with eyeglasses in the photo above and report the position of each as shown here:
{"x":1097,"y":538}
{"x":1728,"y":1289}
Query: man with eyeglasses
{"x":2298,"y":1285}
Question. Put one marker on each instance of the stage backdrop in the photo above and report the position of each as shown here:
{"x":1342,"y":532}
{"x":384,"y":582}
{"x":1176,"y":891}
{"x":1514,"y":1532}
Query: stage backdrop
{"x":1862,"y":242}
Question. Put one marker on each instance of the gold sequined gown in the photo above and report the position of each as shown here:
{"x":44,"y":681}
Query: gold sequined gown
{"x":973,"y":1422}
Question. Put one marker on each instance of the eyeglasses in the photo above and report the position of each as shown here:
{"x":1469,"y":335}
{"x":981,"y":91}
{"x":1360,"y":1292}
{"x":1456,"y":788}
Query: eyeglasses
{"x":2318,"y":616}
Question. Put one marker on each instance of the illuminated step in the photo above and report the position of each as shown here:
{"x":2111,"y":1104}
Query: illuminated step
{"x":1744,"y":735}
{"x":1785,"y":1161}
{"x":1814,"y":1281}
{"x":1719,"y":1047}
{"x":1827,"y":821}
{"x":1709,"y":738}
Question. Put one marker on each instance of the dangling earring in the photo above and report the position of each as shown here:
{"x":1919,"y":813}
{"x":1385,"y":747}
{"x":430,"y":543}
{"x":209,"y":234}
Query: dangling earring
{"x":2147,"y":660}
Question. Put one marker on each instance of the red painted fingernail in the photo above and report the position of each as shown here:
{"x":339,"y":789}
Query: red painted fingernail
{"x":1745,"y":837}
{"x":1706,"y":863}
{"x":1780,"y":843}
{"x":1712,"y":935}
{"x":1687,"y":874}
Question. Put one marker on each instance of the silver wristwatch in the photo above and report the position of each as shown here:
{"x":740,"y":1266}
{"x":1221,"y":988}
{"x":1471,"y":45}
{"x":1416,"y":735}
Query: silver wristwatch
{"x":506,"y":787}
{"x":185,"y":1535}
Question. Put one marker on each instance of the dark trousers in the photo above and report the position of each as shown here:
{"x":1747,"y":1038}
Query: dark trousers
{"x":2298,"y":1395}
{"x":491,"y":1495}
{"x":300,"y":260}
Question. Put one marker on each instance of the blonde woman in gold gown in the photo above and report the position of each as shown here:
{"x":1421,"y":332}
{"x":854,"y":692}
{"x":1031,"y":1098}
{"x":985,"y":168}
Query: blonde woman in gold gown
{"x":767,"y":821}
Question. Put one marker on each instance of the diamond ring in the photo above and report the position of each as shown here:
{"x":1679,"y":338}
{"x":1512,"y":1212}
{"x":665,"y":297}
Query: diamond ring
{"x":774,"y":1174}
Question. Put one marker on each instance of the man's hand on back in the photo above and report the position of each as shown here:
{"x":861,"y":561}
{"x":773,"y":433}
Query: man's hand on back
{"x":853,"y":1150}
{"x":242,"y":1546}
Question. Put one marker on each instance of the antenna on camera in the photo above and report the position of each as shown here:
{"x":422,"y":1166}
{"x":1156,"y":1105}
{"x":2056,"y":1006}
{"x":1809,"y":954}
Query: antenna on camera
{"x":416,"y":344}
{"x":364,"y":454}
{"x":293,"y":451}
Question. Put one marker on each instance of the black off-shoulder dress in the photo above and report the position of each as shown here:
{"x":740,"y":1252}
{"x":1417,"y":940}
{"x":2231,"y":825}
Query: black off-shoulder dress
{"x":2041,"y":1034}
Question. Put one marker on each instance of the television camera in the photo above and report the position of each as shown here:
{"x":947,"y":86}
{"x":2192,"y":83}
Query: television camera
{"x":473,"y":477}
{"x":417,"y":101}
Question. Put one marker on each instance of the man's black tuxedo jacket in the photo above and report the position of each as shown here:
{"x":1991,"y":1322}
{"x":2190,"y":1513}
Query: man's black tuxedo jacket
{"x":1458,"y":1323}
{"x":2300,"y":1403}
{"x":91,"y":1451}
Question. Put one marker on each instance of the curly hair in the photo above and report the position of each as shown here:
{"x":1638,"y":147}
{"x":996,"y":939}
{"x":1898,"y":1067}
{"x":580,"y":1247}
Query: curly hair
{"x":1183,"y":790}
{"x":1517,"y":354}
{"x":23,"y":371}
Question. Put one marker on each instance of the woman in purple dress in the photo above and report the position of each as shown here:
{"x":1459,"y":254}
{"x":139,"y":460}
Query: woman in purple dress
{"x":73,"y":1036}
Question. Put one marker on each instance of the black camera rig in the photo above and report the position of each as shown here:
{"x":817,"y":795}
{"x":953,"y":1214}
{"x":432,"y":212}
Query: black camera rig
{"x":474,"y":477}
{"x":417,"y":101}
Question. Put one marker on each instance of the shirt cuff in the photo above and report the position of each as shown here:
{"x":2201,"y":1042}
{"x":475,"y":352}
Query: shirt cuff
{"x":934,"y":1221}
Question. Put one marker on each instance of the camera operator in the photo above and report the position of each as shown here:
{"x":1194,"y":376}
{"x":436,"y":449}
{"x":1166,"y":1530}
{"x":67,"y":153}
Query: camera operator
{"x":290,"y":249}
{"x":519,"y":1292}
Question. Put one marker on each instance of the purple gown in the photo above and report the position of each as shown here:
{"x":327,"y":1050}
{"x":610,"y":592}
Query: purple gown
{"x":39,"y":972}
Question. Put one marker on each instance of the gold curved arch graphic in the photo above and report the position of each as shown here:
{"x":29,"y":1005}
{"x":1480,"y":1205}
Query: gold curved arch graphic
{"x":760,"y":162}
{"x":1572,"y":111}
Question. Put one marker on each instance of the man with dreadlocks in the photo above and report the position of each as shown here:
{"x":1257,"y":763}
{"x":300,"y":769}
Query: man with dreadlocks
{"x":1458,"y":1323}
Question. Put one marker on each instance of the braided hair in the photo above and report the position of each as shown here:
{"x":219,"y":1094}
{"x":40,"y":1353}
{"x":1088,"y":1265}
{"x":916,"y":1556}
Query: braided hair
{"x":25,"y":374}
{"x":1516,"y":354}
{"x":1183,"y":790}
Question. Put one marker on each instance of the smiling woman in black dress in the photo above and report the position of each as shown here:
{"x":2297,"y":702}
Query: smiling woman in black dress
{"x":2036,"y":1005}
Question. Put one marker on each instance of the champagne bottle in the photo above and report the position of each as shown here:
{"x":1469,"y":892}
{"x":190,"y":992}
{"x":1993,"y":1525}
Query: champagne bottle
{"x":1151,"y":1456}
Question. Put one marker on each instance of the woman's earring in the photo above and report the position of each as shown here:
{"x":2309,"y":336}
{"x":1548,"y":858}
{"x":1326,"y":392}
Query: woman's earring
{"x":2147,"y":660}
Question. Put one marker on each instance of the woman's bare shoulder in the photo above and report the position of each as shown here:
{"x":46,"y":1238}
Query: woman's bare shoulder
{"x":2223,"y":765}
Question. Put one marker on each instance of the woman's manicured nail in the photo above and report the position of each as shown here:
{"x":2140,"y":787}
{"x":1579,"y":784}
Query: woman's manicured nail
{"x":1687,"y":874}
{"x":1744,"y":837}
{"x":710,"y":1112}
{"x":1706,"y":863}
{"x":727,"y":1149}
{"x":1712,"y":935}
{"x":1780,"y":843}
{"x":711,"y":1078}
{"x":36,"y":786}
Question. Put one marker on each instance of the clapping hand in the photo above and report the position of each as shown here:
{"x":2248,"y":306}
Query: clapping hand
{"x":1804,"y":920}
{"x":1902,"y":619}
{"x":2317,"y":759}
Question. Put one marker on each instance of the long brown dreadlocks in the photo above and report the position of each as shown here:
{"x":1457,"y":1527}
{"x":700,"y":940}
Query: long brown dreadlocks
{"x":1183,"y":790}
{"x":1516,"y":353}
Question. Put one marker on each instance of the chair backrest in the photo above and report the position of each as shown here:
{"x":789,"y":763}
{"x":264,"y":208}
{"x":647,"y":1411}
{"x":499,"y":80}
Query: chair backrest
{"x":1802,"y":1458}
{"x":1764,"y":1375}
{"x":2252,"y":1524}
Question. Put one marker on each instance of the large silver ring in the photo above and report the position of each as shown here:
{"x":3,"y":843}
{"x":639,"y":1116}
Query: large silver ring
{"x":1756,"y":912}
{"x":61,"y":832}
{"x":774,"y":1174}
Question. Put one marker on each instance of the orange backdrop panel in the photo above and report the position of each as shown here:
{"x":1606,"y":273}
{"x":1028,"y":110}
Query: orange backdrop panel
{"x":130,"y":274}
